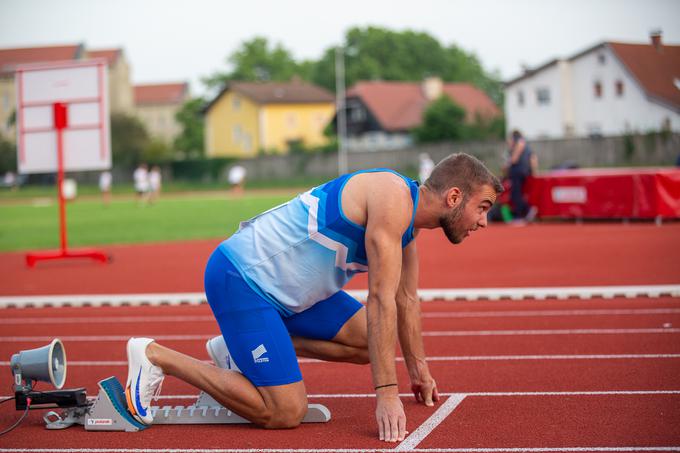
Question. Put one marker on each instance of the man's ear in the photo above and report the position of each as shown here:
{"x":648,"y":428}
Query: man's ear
{"x":453,"y":197}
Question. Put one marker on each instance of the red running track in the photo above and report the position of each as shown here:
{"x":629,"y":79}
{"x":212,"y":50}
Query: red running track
{"x":504,"y":360}
{"x":500,"y":256}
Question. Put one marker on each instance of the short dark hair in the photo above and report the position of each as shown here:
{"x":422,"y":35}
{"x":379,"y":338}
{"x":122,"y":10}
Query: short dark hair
{"x":463,"y":171}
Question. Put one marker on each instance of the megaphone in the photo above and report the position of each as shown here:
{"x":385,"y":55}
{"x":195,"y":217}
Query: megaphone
{"x":47,"y":363}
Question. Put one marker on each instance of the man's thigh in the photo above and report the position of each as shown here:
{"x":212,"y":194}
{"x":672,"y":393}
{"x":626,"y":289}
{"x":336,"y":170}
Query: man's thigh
{"x":252,"y":328}
{"x":340,"y":318}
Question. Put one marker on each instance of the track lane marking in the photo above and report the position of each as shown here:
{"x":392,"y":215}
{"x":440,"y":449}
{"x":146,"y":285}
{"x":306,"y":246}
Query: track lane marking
{"x":470,"y":394}
{"x":335,"y":450}
{"x":427,"y":314}
{"x":443,"y":411}
{"x":479,"y":358}
{"x":446,"y":333}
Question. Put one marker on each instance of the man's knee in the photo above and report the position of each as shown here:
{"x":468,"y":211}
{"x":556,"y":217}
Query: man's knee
{"x":288,"y":414}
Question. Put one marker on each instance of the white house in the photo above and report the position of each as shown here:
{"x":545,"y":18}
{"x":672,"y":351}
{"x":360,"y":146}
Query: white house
{"x":609,"y":89}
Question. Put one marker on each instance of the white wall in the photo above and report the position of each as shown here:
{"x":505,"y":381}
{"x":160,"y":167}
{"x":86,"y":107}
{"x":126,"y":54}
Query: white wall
{"x":611,"y":114}
{"x":575,"y":108}
{"x":533,"y":119}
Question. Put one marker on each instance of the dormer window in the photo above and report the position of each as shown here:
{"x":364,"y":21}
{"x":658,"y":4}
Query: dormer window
{"x":601,"y":59}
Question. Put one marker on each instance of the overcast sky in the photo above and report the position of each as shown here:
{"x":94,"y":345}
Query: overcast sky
{"x":173,"y":40}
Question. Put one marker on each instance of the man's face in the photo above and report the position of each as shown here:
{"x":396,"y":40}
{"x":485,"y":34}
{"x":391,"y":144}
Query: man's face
{"x":468,"y":214}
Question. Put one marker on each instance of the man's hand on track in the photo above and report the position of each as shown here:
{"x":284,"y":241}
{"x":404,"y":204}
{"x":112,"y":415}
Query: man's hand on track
{"x":391,"y":419}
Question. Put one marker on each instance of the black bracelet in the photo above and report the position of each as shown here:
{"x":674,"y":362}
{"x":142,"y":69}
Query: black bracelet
{"x":385,"y":385}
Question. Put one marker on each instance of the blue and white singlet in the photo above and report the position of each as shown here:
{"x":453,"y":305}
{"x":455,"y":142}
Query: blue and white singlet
{"x":305,"y":250}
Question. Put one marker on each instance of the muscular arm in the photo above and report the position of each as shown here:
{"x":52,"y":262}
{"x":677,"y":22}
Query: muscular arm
{"x":388,"y":215}
{"x":410,"y":331}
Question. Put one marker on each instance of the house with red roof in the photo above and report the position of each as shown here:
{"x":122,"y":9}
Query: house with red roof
{"x":248,"y":118}
{"x":120,"y":87}
{"x":156,"y":106}
{"x":609,"y":89}
{"x":382,"y":114}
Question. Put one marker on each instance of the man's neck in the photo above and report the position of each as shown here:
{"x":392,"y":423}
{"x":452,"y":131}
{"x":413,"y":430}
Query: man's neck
{"x":427,"y":211}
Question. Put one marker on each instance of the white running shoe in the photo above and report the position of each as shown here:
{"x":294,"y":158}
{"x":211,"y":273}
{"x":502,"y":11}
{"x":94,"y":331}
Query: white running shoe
{"x":219,"y":353}
{"x":143,"y":382}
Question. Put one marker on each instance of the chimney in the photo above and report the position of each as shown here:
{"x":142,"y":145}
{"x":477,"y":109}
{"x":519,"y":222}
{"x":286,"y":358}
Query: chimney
{"x":433,"y":88}
{"x":656,"y":39}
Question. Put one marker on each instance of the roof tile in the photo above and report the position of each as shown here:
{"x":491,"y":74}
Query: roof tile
{"x":656,"y":70}
{"x":166,"y":93}
{"x":400,"y":105}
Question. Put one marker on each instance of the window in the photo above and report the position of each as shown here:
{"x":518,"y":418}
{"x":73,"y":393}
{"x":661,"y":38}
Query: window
{"x":236,"y":134}
{"x":357,"y":115}
{"x":601,"y":58}
{"x":235,"y":103}
{"x":543,"y":96}
{"x":597,"y":89}
{"x":619,"y":88}
{"x":520,"y":98}
{"x":5,"y":101}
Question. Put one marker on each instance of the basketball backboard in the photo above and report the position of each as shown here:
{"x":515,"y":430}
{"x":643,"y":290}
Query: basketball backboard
{"x":82,"y":87}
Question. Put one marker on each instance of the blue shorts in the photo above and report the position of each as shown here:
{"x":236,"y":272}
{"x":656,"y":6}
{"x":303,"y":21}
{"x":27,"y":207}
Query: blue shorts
{"x":257,"y":335}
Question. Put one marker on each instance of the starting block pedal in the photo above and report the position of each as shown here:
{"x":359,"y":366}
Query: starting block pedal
{"x":108,"y":412}
{"x":208,"y":411}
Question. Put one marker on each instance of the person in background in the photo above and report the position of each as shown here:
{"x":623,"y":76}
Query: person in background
{"x":155,"y":183}
{"x":237,"y":179}
{"x":521,"y":164}
{"x":105,"y":180}
{"x":425,"y":167}
{"x":141,"y":180}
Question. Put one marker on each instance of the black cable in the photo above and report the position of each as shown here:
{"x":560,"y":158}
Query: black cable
{"x":21,"y":419}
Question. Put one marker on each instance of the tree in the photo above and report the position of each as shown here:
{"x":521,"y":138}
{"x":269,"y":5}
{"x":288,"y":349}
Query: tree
{"x":190,"y":141}
{"x":8,"y":156}
{"x":156,"y":152}
{"x":255,"y":61}
{"x":129,"y":139}
{"x":443,"y":120}
{"x":375,"y":53}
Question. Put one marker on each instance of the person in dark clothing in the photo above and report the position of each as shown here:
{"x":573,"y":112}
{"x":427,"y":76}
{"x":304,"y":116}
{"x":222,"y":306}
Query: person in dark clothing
{"x":520,"y":165}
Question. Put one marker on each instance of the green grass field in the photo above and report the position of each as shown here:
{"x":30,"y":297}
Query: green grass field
{"x":28,"y":224}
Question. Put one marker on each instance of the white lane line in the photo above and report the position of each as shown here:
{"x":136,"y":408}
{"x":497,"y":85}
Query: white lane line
{"x":431,"y":423}
{"x":485,"y":333}
{"x":547,"y":313}
{"x":426,"y":314}
{"x":109,"y":320}
{"x":582,"y":292}
{"x":477,"y":358}
{"x":335,"y":450}
{"x":472,"y":394}
{"x":448,"y":333}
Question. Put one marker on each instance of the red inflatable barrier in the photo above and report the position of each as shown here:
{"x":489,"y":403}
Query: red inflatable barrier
{"x":629,"y":193}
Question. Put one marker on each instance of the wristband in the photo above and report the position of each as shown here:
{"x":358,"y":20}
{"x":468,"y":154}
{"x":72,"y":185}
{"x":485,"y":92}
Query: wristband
{"x":384,"y":385}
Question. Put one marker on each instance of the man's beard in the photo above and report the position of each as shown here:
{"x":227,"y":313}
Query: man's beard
{"x":451,"y":223}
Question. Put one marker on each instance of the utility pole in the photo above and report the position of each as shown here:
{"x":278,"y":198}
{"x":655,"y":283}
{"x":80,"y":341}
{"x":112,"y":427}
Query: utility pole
{"x":340,"y":109}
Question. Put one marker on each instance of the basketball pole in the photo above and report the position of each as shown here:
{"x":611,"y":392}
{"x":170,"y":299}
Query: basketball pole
{"x":59,"y":124}
{"x":60,"y":112}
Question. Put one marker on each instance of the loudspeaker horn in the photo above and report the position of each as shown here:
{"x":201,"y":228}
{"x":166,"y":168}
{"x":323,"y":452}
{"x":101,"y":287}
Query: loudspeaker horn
{"x":47,"y":364}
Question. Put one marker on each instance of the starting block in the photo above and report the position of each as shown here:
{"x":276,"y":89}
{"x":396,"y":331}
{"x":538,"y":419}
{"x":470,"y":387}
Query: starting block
{"x":108,"y":412}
